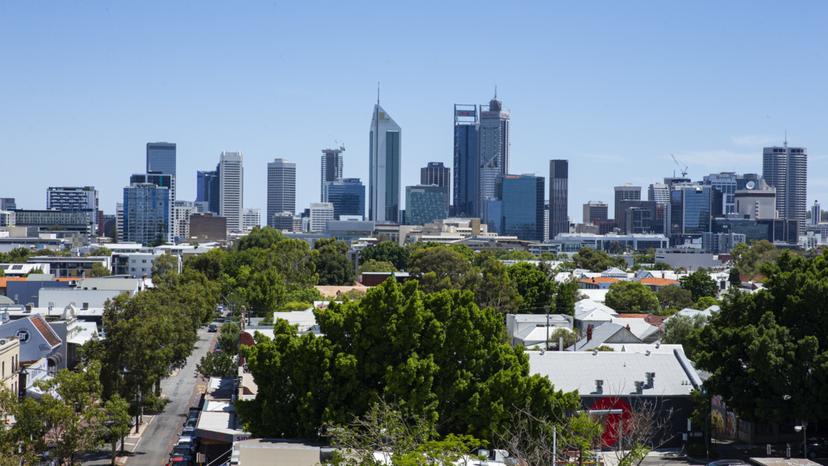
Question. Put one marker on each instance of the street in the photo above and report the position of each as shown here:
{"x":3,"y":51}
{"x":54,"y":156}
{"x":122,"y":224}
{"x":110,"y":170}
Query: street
{"x":156,"y":442}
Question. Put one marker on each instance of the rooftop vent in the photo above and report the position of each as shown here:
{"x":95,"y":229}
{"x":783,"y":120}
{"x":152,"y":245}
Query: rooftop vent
{"x":599,"y":386}
{"x":650,"y":379}
{"x":639,"y":387}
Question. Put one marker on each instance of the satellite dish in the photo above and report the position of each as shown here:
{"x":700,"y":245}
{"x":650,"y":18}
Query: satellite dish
{"x":750,"y":185}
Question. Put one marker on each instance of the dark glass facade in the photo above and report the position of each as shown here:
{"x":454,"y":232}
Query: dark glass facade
{"x":347,"y":197}
{"x":522,"y":206}
{"x":425,"y":204}
{"x":558,"y":197}
{"x":466,"y":163}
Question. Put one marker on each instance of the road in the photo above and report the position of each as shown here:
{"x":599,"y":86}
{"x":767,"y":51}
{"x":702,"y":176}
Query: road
{"x":154,"y":447}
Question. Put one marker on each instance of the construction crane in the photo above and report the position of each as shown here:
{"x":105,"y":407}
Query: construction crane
{"x":682,"y":170}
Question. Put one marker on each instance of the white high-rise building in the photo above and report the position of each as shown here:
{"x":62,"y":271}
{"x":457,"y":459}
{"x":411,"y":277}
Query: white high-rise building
{"x":786,"y":169}
{"x":181,"y":219}
{"x":320,"y":214}
{"x":231,"y":189}
{"x":281,"y":188}
{"x":384,"y":168}
{"x":251,"y":218}
{"x":119,"y":221}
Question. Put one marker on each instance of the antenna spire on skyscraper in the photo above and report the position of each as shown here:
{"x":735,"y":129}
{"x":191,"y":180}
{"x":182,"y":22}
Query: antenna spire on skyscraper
{"x":378,"y":92}
{"x":495,"y":96}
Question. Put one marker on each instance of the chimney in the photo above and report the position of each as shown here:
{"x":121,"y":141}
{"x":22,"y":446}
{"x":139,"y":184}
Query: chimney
{"x":650,"y":379}
{"x":589,"y":332}
{"x":599,"y":386}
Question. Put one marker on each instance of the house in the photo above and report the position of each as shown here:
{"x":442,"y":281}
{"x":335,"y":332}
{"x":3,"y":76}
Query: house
{"x":615,"y":272}
{"x":532,"y":329}
{"x":37,"y":338}
{"x":305,"y":321}
{"x":218,"y":427}
{"x":600,"y":283}
{"x":22,"y":270}
{"x":130,"y":286}
{"x":595,"y":337}
{"x":656,"y":284}
{"x":660,"y":383}
{"x":692,"y":313}
{"x":588,"y":312}
{"x":639,"y":325}
{"x":9,"y":363}
{"x":268,"y":452}
{"x":74,"y":333}
{"x":81,"y":298}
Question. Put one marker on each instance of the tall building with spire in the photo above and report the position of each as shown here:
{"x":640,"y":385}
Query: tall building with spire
{"x":786,"y":169}
{"x":331,"y":169}
{"x":384,"y":168}
{"x":493,"y":148}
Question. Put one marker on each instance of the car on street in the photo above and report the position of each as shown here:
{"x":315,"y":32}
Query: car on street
{"x":212,"y":328}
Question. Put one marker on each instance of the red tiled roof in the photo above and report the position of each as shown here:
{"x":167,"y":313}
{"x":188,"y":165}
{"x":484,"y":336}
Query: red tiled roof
{"x":652,"y":281}
{"x":599,"y":280}
{"x":45,"y":329}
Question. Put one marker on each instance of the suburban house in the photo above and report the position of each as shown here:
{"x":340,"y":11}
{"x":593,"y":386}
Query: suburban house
{"x":532,"y":329}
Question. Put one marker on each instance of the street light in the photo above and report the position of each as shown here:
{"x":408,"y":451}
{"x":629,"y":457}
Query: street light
{"x":804,"y":429}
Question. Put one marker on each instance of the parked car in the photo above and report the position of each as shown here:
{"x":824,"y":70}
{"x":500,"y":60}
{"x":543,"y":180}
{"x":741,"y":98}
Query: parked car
{"x":213,"y":328}
{"x":180,"y":460}
{"x":187,"y":441}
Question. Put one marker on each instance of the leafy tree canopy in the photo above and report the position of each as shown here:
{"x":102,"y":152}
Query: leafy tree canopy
{"x":386,"y":251}
{"x":596,"y":261}
{"x":633,"y":297}
{"x":700,"y":284}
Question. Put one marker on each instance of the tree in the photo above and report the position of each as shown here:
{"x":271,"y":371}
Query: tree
{"x":595,"y":261}
{"x":673,"y":298}
{"x":217,"y":364}
{"x":566,"y":296}
{"x":734,"y":278}
{"x":164,"y":267}
{"x":627,"y":296}
{"x":100,"y":251}
{"x":117,"y":422}
{"x":569,"y":338}
{"x":438,"y":267}
{"x":535,"y":287}
{"x":373,"y":265}
{"x":705,"y":301}
{"x":332,"y":263}
{"x":492,"y":285}
{"x":700,"y":284}
{"x":528,"y":437}
{"x":749,"y":260}
{"x":386,"y":251}
{"x":260,"y":238}
{"x":228,"y":339}
{"x":683,"y":330}
{"x":767,"y":352}
{"x":401,"y":344}
{"x":99,"y":270}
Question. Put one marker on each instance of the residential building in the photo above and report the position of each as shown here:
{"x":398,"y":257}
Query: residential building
{"x":331,"y":169}
{"x":384,"y":168}
{"x":558,"y":197}
{"x":7,"y":203}
{"x":61,"y":223}
{"x":231,"y":189}
{"x":347,"y":196}
{"x":37,"y":340}
{"x":425,"y":204}
{"x":816,"y":214}
{"x":659,"y":192}
{"x":9,"y":363}
{"x":147,"y":212}
{"x":466,"y":161}
{"x":207,"y":227}
{"x":74,"y":199}
{"x":281,"y":187}
{"x":435,"y":173}
{"x":181,"y":220}
{"x":208,"y":189}
{"x":161,"y":159}
{"x":493,"y":147}
{"x":626,"y":192}
{"x":7,"y":218}
{"x":595,"y":212}
{"x":786,"y":169}
{"x":320,"y":214}
{"x":522,"y":207}
{"x":251,"y":218}
{"x":119,"y":222}
{"x":532,"y":330}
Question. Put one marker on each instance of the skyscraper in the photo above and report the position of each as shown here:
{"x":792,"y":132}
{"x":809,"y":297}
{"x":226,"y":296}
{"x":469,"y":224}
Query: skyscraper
{"x":146,"y":213}
{"x":522,"y":203}
{"x":425,"y":204}
{"x":320,"y":213}
{"x":494,"y":148}
{"x":161,"y":159}
{"x":466,"y":161}
{"x":281,"y":188}
{"x":384,"y":168}
{"x":558,"y":197}
{"x":208,"y":190}
{"x":816,"y":213}
{"x":659,"y":192}
{"x":627,"y":192}
{"x":331,"y":168}
{"x":437,"y":174}
{"x":347,"y":196}
{"x":786,"y":169}
{"x":251,"y":218}
{"x":595,"y":212}
{"x":231,"y":189}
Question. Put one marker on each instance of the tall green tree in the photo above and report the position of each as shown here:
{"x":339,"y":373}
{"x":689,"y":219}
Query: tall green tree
{"x":699,"y":284}
{"x":116,"y":423}
{"x":164,"y":268}
{"x":627,"y":296}
{"x":492,"y":285}
{"x":438,"y":267}
{"x":683,"y":330}
{"x":595,"y":261}
{"x":386,"y":251}
{"x":332,"y":262}
{"x":373,"y":265}
{"x":673,"y":298}
{"x":534,"y":286}
{"x":768,"y":352}
{"x":438,"y":356}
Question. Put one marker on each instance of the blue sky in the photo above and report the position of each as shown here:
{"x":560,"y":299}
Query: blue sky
{"x":614,"y":87}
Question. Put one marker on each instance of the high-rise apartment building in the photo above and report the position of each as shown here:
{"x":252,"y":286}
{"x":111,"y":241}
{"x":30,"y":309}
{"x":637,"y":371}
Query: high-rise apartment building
{"x":347,"y":196}
{"x":331,"y":168}
{"x":627,"y":192}
{"x":231,"y":189}
{"x":466,"y":161}
{"x":251,"y":218}
{"x":786,"y":169}
{"x":7,"y":203}
{"x":659,"y":192}
{"x":384,"y":168}
{"x":208,"y":189}
{"x":558,"y":197}
{"x":437,"y":174}
{"x":182,"y":210}
{"x":146,"y":214}
{"x":281,"y":188}
{"x":816,"y":214}
{"x":425,"y":204}
{"x":320,"y":214}
{"x":74,"y":199}
{"x":493,"y":147}
{"x":595,"y":212}
{"x":522,"y":204}
{"x":161,"y":159}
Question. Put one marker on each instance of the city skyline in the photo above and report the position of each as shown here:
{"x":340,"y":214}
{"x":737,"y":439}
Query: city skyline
{"x":619,"y":103}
